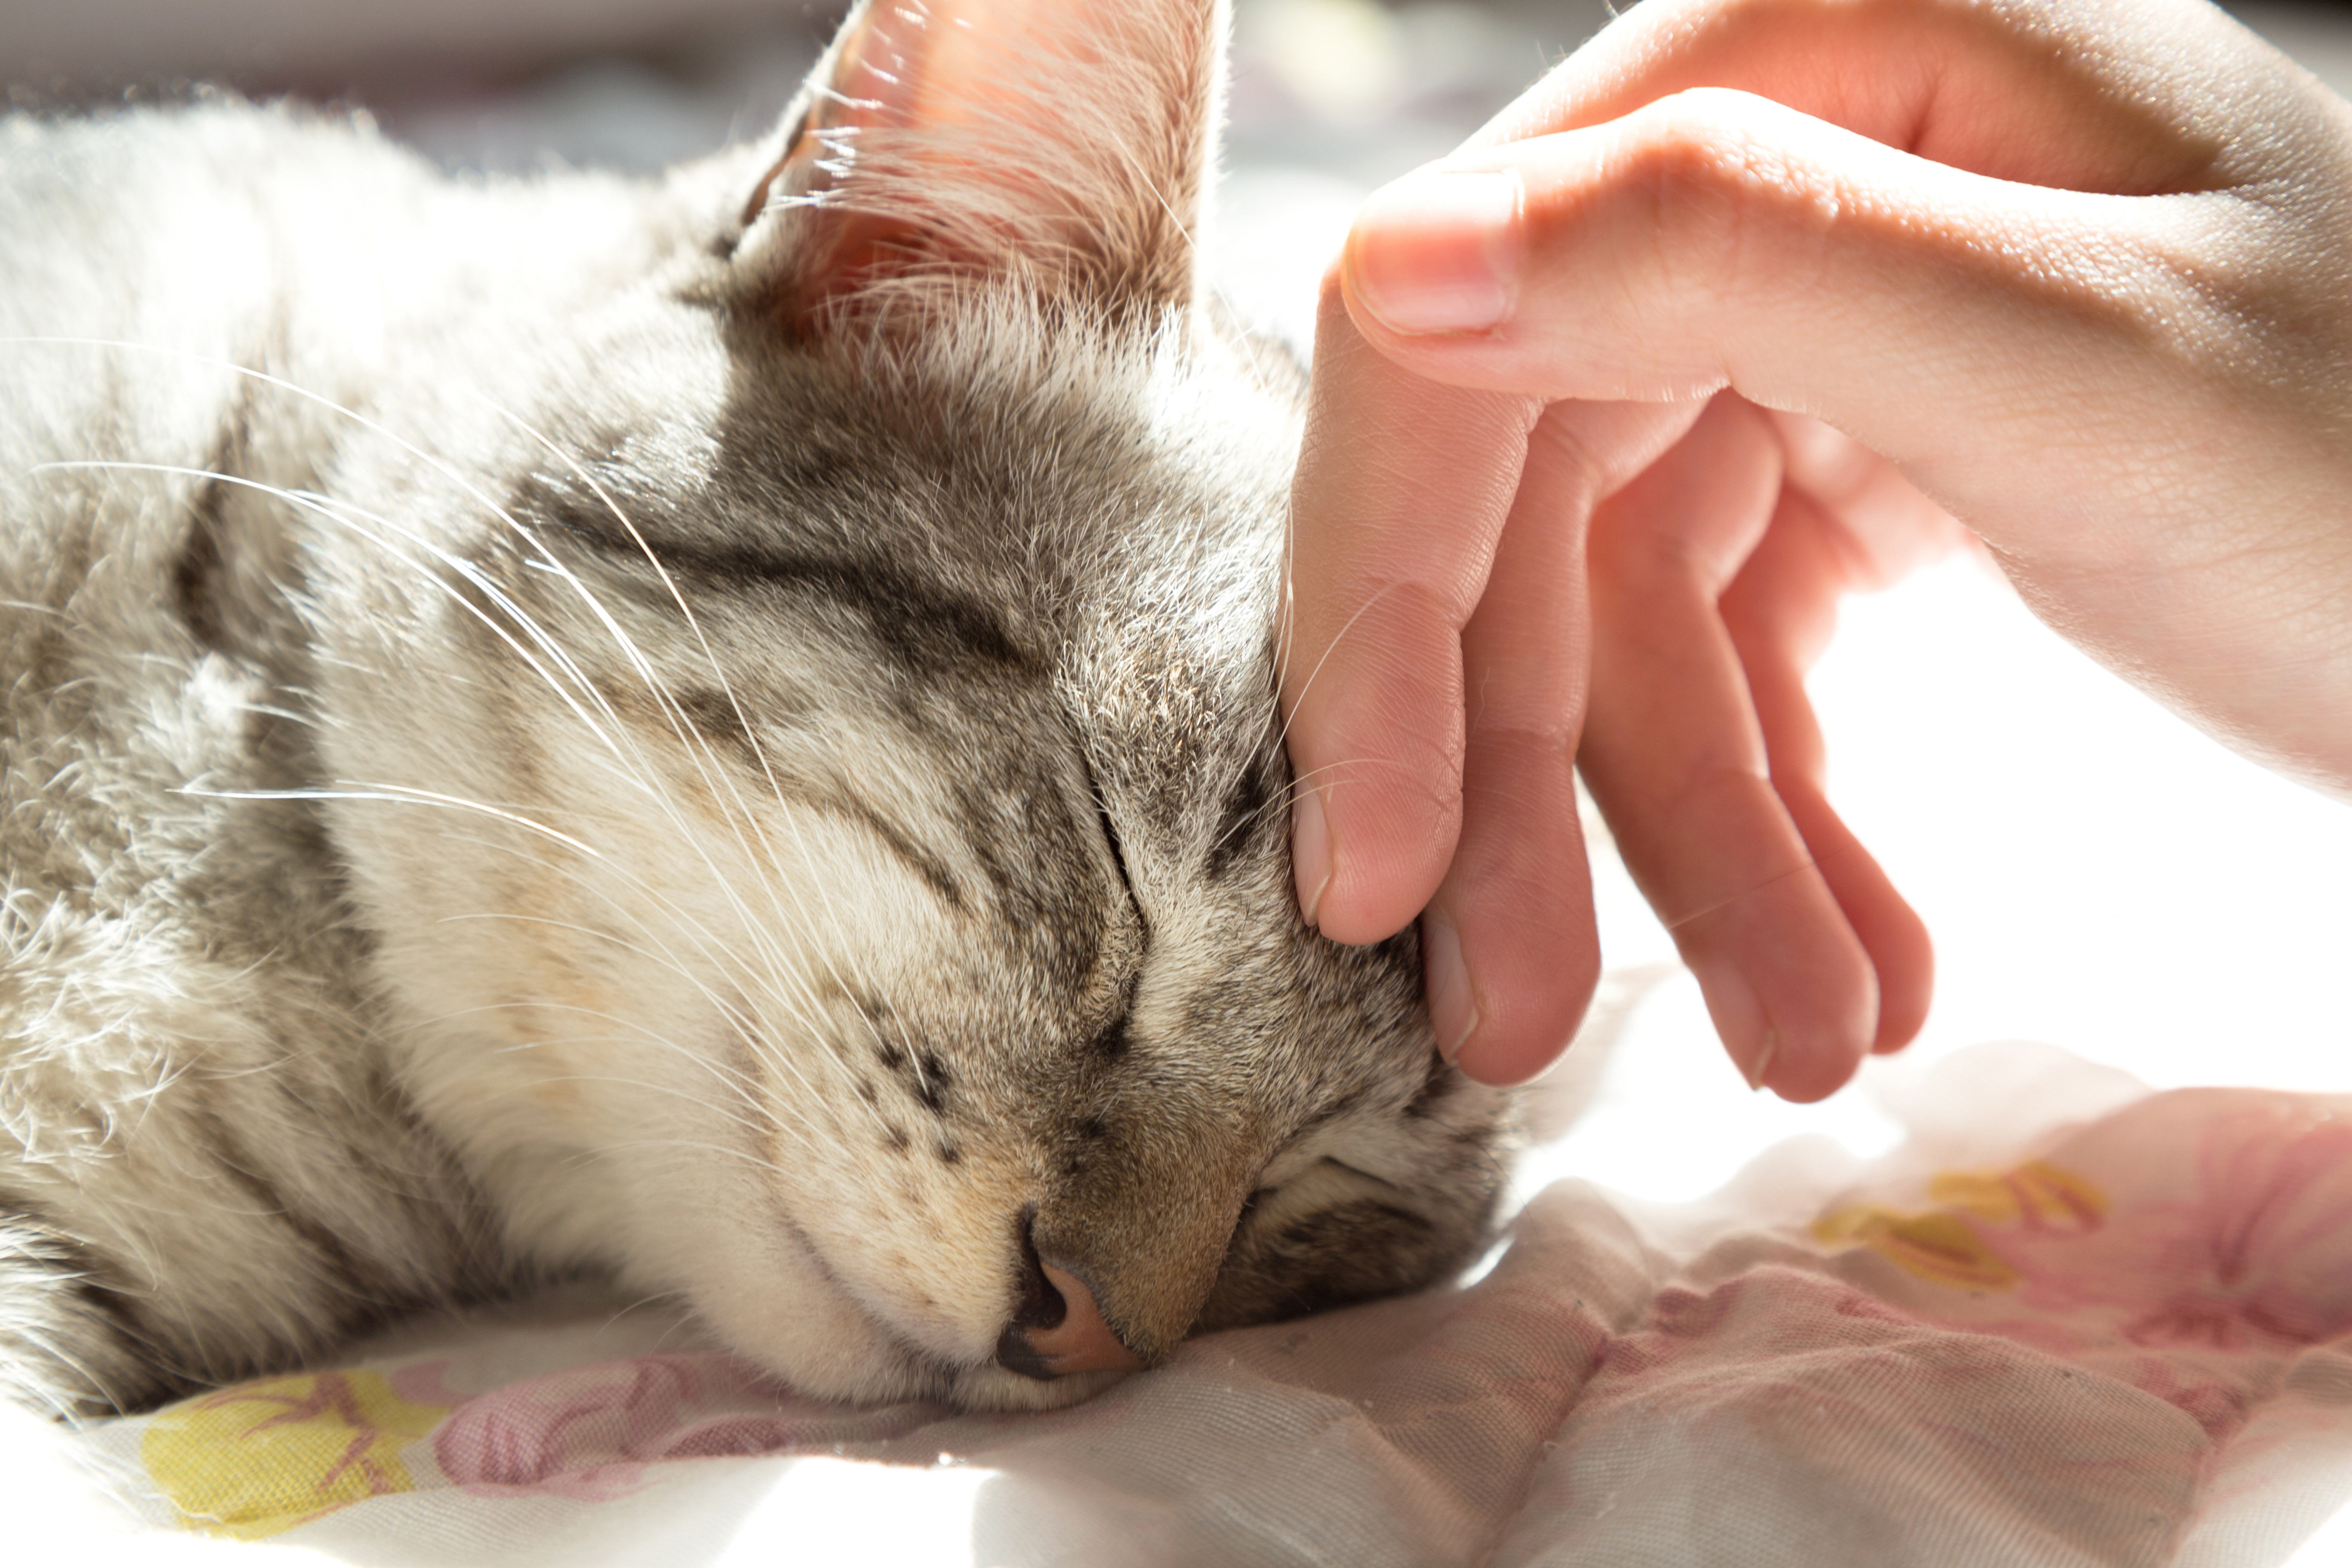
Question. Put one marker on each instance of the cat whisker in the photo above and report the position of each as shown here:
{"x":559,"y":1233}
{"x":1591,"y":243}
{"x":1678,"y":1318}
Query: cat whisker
{"x":294,"y":389}
{"x":676,"y":1298}
{"x":699,"y":749}
{"x":745,"y":1026}
{"x":1282,"y":799}
{"x":748,"y":1123}
{"x":591,"y":1156}
{"x":402,"y":794}
{"x":740,"y":1084}
{"x":697,"y":746}
{"x":319,"y":505}
{"x":1283,"y":738}
{"x":728,"y":1076}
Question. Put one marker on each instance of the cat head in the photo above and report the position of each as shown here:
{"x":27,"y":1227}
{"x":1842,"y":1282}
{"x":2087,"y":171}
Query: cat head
{"x":873,"y":919}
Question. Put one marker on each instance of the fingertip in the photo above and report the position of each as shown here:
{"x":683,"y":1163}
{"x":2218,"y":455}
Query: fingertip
{"x":1895,"y":940}
{"x":1373,"y":832}
{"x":1526,"y":1036}
{"x":1504,"y":1064}
{"x":1804,"y":1076}
{"x":1509,"y":981}
{"x":1904,"y":954}
{"x":1739,"y":1018}
{"x":1813,"y":1060}
{"x":1446,"y":980}
{"x":1801,"y":1036}
{"x":1382,"y":862}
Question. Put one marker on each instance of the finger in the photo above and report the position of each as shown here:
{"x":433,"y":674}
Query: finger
{"x":1778,"y":613}
{"x":2113,"y":101}
{"x":1884,"y":529}
{"x":1512,"y":952}
{"x":1715,"y":239}
{"x":1848,"y":521}
{"x":1399,"y":498}
{"x":1676,"y":759}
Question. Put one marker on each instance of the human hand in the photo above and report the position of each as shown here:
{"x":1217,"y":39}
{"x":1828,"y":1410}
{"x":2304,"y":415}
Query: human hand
{"x":2084,"y":275}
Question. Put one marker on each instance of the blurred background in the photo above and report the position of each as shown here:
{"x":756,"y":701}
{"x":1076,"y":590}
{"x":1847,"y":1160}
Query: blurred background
{"x":2097,"y":873}
{"x":1329,"y":97}
{"x":1367,"y":86}
{"x":1353,"y":83}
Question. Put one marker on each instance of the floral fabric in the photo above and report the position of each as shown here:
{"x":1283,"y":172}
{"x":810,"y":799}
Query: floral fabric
{"x":2105,"y":1333}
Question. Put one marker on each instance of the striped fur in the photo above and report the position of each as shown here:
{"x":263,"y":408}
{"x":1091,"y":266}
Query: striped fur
{"x":719,"y":732}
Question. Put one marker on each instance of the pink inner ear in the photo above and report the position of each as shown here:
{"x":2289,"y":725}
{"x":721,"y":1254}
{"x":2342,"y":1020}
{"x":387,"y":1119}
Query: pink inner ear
{"x":987,"y":136}
{"x":908,"y":66}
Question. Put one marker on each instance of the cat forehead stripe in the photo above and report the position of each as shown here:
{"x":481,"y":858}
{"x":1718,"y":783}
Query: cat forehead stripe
{"x":926,"y":626}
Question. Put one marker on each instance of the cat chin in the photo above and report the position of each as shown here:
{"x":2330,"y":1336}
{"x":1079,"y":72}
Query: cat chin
{"x":786,"y":1311}
{"x":994,"y":1388}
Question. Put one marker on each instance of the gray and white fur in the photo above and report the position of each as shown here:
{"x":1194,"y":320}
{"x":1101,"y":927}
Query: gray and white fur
{"x":720,"y":732}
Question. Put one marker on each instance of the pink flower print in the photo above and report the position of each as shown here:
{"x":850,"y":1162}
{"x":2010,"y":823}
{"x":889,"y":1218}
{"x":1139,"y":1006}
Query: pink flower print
{"x":584,"y":1434}
{"x":2263,"y":1252}
{"x":2232,"y":1226}
{"x":588,"y":1433}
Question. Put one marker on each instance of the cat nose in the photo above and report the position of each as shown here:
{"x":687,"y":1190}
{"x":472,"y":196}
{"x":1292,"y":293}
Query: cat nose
{"x":1058,"y":1328}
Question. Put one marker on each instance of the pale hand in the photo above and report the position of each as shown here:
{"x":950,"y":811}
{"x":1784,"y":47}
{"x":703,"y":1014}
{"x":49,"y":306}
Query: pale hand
{"x":2078,"y":276}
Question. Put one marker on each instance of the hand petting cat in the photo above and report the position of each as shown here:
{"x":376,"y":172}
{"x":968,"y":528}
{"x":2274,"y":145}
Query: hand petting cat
{"x":1742,"y":308}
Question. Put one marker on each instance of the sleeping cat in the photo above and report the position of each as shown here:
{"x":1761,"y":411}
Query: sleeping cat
{"x":720,"y":732}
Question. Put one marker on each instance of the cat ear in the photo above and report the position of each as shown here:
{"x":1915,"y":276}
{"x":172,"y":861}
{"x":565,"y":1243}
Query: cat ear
{"x":1066,"y":144}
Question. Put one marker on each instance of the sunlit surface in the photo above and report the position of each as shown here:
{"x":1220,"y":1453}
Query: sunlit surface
{"x":842,"y":1511}
{"x":2098,"y":876}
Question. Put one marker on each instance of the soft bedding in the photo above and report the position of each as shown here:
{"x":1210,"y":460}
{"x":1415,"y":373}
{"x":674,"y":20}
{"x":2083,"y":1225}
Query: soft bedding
{"x":2067,"y":1321}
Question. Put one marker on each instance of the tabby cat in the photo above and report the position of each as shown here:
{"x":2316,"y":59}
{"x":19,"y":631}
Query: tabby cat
{"x":718,"y":732}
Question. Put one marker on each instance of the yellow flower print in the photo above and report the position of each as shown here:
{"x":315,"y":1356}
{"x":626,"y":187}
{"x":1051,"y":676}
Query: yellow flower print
{"x":2037,"y":1195}
{"x":262,"y":1458}
{"x":1938,"y":1248}
{"x":1943,"y":1247}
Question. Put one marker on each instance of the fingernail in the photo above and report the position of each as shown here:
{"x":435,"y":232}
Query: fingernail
{"x":1437,"y":251}
{"x":1453,"y":1006}
{"x":1310,"y":851}
{"x":1762,"y":1061}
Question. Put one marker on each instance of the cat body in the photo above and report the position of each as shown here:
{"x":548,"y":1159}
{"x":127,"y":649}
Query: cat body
{"x":716,"y":731}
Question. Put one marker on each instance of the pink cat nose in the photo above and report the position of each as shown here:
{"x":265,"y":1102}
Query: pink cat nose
{"x":1081,"y":1342}
{"x":1058,"y":1329}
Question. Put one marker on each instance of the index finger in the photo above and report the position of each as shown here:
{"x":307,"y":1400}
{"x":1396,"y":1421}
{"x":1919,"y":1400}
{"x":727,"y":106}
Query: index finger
{"x":1400,"y":500}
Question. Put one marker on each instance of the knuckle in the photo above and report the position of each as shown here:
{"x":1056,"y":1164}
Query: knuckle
{"x":1719,"y":188}
{"x":1530,"y":762}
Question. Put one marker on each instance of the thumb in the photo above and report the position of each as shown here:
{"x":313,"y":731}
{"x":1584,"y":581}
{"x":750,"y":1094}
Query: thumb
{"x":1715,"y":237}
